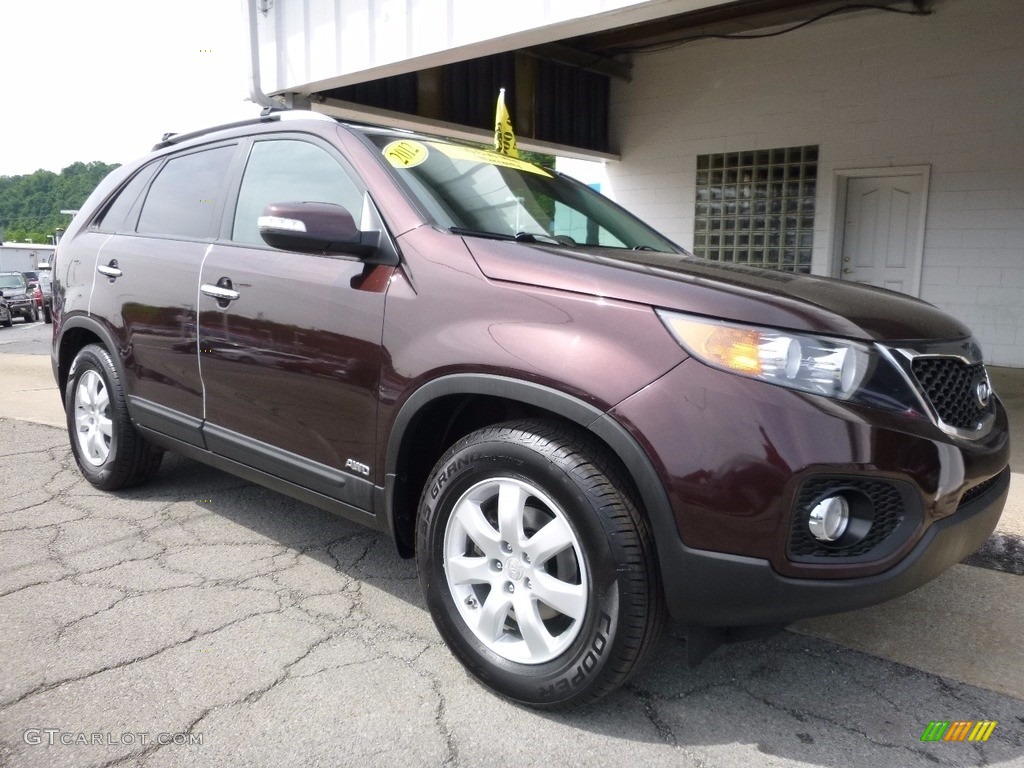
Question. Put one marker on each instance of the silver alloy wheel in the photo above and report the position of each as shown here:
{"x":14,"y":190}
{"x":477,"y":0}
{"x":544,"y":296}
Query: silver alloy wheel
{"x":515,"y":570}
{"x":93,"y":427}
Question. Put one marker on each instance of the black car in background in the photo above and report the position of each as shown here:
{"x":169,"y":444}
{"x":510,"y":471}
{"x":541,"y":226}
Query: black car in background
{"x":5,"y":314}
{"x":14,"y":288}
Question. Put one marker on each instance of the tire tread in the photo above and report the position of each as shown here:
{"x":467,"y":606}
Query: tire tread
{"x":136,"y":460}
{"x":613,"y":497}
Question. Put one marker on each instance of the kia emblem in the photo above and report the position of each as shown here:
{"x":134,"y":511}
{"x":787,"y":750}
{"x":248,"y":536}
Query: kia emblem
{"x":983,"y":392}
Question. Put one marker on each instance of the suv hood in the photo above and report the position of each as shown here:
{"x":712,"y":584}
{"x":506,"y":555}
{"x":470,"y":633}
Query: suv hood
{"x":725,"y":291}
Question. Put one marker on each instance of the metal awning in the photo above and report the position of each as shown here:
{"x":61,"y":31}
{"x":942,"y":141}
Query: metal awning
{"x":559,"y":91}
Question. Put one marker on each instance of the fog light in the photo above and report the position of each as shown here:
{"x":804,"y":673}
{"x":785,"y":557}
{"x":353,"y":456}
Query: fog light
{"x":829,"y":518}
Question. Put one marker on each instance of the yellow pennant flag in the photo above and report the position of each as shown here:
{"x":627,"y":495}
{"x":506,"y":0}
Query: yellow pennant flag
{"x":504,"y":138}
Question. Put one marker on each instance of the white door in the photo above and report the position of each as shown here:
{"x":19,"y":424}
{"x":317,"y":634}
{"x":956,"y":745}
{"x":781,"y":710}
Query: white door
{"x":883,"y":231}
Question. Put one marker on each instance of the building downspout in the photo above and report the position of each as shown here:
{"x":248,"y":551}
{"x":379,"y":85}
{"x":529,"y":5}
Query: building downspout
{"x":256,"y":93}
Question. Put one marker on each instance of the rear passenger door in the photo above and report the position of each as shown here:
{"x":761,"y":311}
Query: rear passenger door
{"x":291,"y":366}
{"x":146,"y":277}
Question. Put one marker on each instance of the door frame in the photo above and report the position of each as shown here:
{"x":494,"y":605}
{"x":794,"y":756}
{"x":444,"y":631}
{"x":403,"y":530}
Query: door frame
{"x":842,"y":178}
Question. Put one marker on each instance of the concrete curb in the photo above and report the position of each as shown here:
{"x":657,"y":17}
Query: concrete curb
{"x":28,"y":391}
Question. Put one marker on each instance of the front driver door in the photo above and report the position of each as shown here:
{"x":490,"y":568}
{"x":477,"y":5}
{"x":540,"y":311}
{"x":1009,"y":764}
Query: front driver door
{"x":290,"y":368}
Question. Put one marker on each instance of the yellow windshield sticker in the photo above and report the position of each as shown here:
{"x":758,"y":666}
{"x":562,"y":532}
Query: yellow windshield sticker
{"x":457,"y":152}
{"x":405,"y":153}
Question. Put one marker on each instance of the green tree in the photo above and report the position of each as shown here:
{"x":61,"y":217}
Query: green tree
{"x":30,"y":205}
{"x":537,"y":158}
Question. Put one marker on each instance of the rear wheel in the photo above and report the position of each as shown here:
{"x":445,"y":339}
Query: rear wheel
{"x":536,"y":564}
{"x":109,"y":451}
{"x":9,"y":321}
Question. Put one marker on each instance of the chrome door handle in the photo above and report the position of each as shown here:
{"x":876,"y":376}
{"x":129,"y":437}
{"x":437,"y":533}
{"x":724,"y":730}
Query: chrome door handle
{"x":224,"y":292}
{"x":219,"y":292}
{"x":110,"y":270}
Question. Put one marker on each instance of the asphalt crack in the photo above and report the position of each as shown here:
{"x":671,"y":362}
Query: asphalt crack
{"x":46,"y":687}
{"x":648,"y":707}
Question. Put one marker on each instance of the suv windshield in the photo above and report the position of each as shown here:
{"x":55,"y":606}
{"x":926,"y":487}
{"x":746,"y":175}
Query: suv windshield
{"x":9,"y":281}
{"x":476,"y":191}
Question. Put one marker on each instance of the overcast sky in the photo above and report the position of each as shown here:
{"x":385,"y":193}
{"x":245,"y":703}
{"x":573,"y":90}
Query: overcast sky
{"x":85,"y":80}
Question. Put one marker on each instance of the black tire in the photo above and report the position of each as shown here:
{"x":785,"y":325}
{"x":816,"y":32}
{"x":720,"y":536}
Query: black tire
{"x":30,"y":316}
{"x":47,"y":316}
{"x":118,"y":460}
{"x":8,"y":322}
{"x":606,"y":564}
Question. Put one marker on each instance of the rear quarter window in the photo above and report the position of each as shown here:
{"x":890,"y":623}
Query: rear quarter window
{"x":112,"y":219}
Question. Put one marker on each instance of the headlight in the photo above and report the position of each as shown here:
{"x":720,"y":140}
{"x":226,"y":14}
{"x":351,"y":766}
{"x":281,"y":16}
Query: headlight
{"x":837,"y":368}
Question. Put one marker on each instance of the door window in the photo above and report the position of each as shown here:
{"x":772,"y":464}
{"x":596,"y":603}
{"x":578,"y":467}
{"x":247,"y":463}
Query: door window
{"x":183,"y":197}
{"x":290,"y":171}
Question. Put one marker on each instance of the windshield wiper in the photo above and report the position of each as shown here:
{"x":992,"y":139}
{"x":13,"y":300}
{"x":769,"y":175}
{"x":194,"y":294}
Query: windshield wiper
{"x":480,"y":233}
{"x":535,"y":237}
{"x":519,"y":237}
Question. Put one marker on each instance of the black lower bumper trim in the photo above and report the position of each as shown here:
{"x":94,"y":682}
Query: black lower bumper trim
{"x":722,"y":590}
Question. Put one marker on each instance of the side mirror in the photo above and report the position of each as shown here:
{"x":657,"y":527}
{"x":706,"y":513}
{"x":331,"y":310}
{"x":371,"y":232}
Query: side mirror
{"x":315,"y":228}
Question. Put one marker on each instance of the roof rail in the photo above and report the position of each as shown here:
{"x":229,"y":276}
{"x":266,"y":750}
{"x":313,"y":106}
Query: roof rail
{"x":268,"y":114}
{"x":305,"y":114}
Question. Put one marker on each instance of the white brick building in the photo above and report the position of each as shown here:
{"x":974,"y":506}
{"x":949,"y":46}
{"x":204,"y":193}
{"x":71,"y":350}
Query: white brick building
{"x":942,"y":93}
{"x":908,"y":129}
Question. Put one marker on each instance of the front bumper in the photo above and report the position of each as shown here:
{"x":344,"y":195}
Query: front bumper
{"x":733,"y":454}
{"x":720,"y":590}
{"x":21,"y":306}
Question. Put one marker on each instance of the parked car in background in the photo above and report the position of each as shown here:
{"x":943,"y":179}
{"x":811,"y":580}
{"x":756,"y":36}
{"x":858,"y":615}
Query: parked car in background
{"x":15,"y":289}
{"x":37,"y":295}
{"x":32,"y":282}
{"x":46,"y":286}
{"x":573,"y":425}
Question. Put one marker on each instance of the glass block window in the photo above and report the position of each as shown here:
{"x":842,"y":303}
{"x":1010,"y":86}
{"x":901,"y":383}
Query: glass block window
{"x":757,"y":207}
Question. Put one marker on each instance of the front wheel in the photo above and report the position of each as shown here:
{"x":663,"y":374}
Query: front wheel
{"x":537,"y":565}
{"x":109,"y":451}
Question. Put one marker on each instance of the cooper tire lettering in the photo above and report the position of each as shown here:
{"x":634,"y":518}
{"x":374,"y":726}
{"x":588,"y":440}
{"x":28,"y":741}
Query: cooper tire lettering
{"x":551,"y":473}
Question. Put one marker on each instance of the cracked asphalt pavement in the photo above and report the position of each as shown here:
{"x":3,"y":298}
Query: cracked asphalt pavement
{"x":248,"y":629}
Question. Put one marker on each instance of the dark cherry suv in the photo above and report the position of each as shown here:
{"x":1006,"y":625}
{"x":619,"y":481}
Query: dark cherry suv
{"x":569,"y":422}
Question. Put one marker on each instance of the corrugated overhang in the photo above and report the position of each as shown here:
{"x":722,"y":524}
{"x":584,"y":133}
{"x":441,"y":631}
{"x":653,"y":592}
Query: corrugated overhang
{"x":557,"y":91}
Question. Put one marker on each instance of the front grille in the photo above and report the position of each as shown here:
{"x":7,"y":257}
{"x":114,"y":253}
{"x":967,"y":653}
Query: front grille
{"x":951,"y":386}
{"x":890,"y":510}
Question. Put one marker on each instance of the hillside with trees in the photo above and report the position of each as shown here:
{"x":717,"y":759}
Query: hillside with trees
{"x":30,"y":205}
